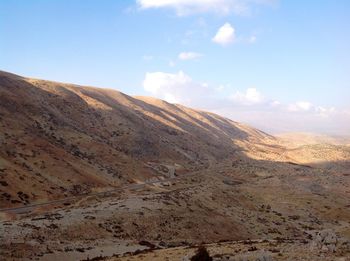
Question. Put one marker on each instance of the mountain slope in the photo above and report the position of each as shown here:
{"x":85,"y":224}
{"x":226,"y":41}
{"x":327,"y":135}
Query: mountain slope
{"x":232,"y":182}
{"x":61,"y":139}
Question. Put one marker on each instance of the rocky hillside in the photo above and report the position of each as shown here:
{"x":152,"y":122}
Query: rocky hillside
{"x":61,"y":139}
{"x":176,"y":177}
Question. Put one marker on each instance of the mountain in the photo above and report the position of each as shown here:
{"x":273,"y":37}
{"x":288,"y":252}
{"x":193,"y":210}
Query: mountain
{"x":94,"y":174}
{"x":59,"y":140}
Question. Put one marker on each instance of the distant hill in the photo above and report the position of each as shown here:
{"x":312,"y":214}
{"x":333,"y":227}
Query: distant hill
{"x":305,"y":138}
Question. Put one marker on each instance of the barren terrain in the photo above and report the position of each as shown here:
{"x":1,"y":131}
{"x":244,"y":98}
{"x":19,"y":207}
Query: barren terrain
{"x":93,"y":173}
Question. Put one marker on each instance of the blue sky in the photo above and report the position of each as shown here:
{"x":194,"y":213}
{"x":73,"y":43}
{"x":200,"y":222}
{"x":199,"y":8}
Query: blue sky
{"x":275,"y":63}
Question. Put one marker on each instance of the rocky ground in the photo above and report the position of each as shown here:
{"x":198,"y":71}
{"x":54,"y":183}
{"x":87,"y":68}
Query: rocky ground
{"x":89,"y":173}
{"x":266,"y":250}
{"x":274,"y":208}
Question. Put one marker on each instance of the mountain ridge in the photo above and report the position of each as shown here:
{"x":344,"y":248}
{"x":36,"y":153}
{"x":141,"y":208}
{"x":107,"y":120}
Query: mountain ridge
{"x":101,"y":138}
{"x":90,"y":171}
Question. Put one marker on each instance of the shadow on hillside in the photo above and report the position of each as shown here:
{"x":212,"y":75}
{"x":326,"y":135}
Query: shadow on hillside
{"x":64,"y":108}
{"x":151,"y":140}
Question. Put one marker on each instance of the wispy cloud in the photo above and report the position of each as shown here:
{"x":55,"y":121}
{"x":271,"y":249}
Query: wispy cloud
{"x":252,"y":39}
{"x":300,"y":106}
{"x":249,"y":97}
{"x":189,"y":55}
{"x":147,"y":57}
{"x":188,"y":7}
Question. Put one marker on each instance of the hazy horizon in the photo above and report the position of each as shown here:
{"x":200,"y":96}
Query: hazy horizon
{"x":280,"y":66}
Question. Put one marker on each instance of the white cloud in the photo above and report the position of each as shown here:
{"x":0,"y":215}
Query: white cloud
{"x":225,"y":35}
{"x":325,"y":112}
{"x":249,"y":106}
{"x":188,"y":7}
{"x":250,"y":97}
{"x":300,"y":106}
{"x":189,"y":55}
{"x":174,"y":88}
{"x":304,"y":106}
{"x":220,"y":88}
{"x":275,"y":103}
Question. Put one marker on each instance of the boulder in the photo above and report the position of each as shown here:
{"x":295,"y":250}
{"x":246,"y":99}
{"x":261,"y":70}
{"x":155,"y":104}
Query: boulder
{"x":325,"y":241}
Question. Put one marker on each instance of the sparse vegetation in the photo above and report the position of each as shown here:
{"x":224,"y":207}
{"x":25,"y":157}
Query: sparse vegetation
{"x":201,"y":255}
{"x":172,"y":184}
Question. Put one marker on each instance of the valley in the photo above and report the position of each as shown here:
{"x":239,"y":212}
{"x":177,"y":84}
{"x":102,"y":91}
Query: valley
{"x":91,"y":173}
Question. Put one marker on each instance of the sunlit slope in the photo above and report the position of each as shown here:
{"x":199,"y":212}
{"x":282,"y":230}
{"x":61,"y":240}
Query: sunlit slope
{"x":61,"y":139}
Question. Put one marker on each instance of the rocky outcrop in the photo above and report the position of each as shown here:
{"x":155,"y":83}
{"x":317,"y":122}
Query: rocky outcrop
{"x":326,"y":241}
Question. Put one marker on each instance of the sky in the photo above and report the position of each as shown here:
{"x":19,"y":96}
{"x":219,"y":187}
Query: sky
{"x":278,"y":65}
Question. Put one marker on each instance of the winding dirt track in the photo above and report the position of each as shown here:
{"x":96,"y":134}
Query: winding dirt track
{"x":31,"y":207}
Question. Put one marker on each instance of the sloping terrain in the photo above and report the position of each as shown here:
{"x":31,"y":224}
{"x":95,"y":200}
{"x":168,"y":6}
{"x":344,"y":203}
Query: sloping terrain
{"x":61,"y":139}
{"x":176,"y":178}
